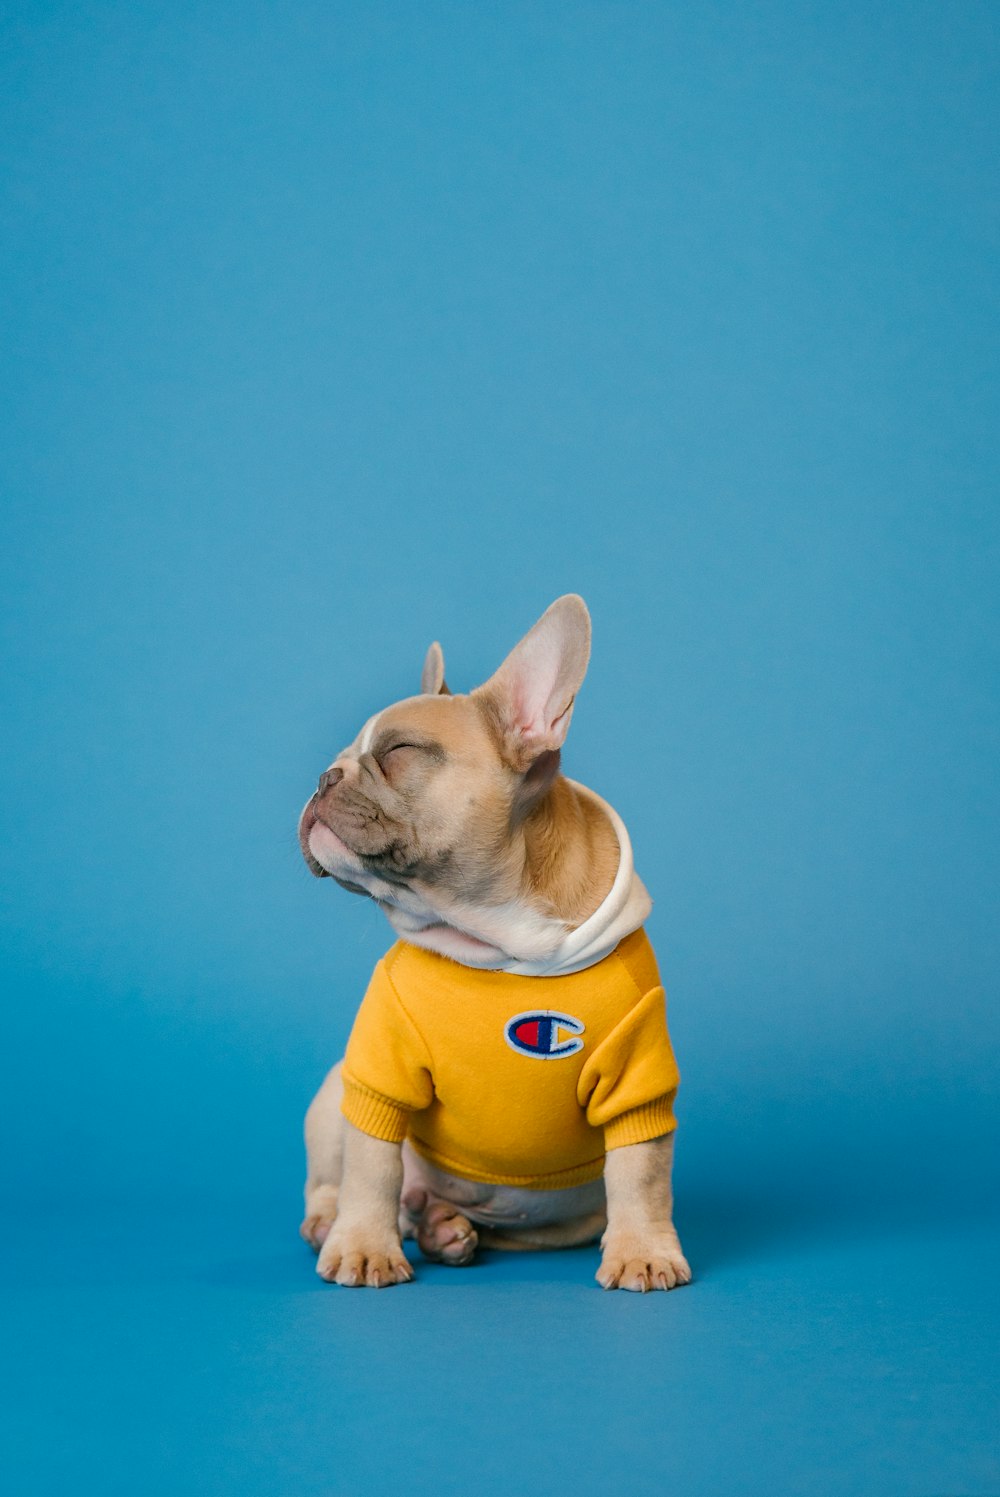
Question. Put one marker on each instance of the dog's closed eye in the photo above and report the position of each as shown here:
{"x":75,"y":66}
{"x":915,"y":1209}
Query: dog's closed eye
{"x":402,"y":752}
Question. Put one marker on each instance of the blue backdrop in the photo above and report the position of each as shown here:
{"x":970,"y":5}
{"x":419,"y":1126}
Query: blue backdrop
{"x":331,"y":330}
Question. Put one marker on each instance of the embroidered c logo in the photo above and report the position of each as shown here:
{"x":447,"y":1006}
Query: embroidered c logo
{"x":538,"y":1033}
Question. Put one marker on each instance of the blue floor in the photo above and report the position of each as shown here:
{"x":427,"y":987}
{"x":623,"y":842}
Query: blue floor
{"x":201,"y":1355}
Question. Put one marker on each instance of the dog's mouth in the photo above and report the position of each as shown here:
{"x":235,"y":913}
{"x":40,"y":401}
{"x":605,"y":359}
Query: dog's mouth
{"x":340,"y":856}
{"x":310,"y":824}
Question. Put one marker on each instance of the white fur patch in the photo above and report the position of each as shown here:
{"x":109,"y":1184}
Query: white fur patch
{"x":366,"y":737}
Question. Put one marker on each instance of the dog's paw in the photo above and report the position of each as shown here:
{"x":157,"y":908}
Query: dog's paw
{"x":321,"y":1213}
{"x":446,"y":1236}
{"x":356,"y":1261}
{"x":654,"y":1261}
{"x":315,"y":1229}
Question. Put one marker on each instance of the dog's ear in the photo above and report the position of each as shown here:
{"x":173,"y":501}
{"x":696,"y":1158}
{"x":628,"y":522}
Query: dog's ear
{"x":432,"y":681}
{"x":529,"y":700}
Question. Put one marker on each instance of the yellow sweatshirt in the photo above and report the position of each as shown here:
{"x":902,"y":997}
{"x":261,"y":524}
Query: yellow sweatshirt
{"x":513,"y":1080}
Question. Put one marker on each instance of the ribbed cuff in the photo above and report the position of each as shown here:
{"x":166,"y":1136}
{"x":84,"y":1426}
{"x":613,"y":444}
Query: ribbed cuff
{"x":374,"y":1114}
{"x":651,"y":1120}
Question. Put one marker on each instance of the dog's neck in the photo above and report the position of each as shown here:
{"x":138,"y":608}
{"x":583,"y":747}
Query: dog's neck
{"x":571,"y":853}
{"x":579,"y":895}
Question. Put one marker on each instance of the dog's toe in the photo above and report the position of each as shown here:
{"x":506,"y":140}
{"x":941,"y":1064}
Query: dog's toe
{"x":447,"y":1236}
{"x":662,"y":1267}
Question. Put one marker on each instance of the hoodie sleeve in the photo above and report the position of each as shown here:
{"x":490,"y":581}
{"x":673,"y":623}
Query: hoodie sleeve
{"x":628,"y":1085}
{"x":387,"y":1069}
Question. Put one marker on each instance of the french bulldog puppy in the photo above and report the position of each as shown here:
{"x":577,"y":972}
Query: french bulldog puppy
{"x":503,"y":877}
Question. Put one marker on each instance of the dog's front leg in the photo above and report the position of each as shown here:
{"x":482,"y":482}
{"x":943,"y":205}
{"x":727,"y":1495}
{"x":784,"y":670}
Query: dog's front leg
{"x":363,"y":1246}
{"x":641,"y":1249}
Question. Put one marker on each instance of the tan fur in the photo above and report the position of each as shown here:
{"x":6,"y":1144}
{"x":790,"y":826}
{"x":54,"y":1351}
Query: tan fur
{"x":450,"y":810}
{"x":571,"y":854}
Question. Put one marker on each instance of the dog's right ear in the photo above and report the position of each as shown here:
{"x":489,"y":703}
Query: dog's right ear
{"x":432,"y":682}
{"x":530,"y":698}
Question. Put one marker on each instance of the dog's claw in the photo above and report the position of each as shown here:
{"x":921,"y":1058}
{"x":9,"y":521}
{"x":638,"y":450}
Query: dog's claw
{"x":355,"y":1268}
{"x":627,"y":1267}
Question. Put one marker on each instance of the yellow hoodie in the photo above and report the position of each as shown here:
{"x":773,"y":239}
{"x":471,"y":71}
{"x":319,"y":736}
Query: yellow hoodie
{"x":513,"y":1080}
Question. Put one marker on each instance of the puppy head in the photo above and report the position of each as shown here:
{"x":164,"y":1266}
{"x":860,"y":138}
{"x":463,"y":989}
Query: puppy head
{"x":421,"y":812}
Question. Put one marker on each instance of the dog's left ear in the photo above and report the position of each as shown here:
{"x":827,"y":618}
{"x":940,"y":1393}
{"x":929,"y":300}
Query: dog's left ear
{"x":530,"y":698}
{"x":432,"y":682}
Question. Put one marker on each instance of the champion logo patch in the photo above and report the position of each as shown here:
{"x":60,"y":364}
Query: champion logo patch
{"x":544,"y":1033}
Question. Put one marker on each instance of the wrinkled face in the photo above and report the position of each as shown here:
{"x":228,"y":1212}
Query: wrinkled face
{"x":418,"y":806}
{"x":425,"y":810}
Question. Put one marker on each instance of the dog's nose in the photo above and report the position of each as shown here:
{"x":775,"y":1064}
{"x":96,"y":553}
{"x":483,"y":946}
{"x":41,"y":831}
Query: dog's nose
{"x":329,"y":778}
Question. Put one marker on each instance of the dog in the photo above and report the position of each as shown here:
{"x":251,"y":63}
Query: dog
{"x":509,"y":1080}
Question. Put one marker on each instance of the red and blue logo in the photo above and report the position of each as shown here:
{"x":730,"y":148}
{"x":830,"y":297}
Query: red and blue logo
{"x":544,"y":1033}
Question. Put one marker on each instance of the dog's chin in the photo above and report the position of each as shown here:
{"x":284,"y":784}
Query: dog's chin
{"x":407,"y":911}
{"x":328,"y":856}
{"x":315,"y":868}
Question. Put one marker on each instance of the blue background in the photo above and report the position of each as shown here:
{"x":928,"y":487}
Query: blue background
{"x":333,"y":329}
